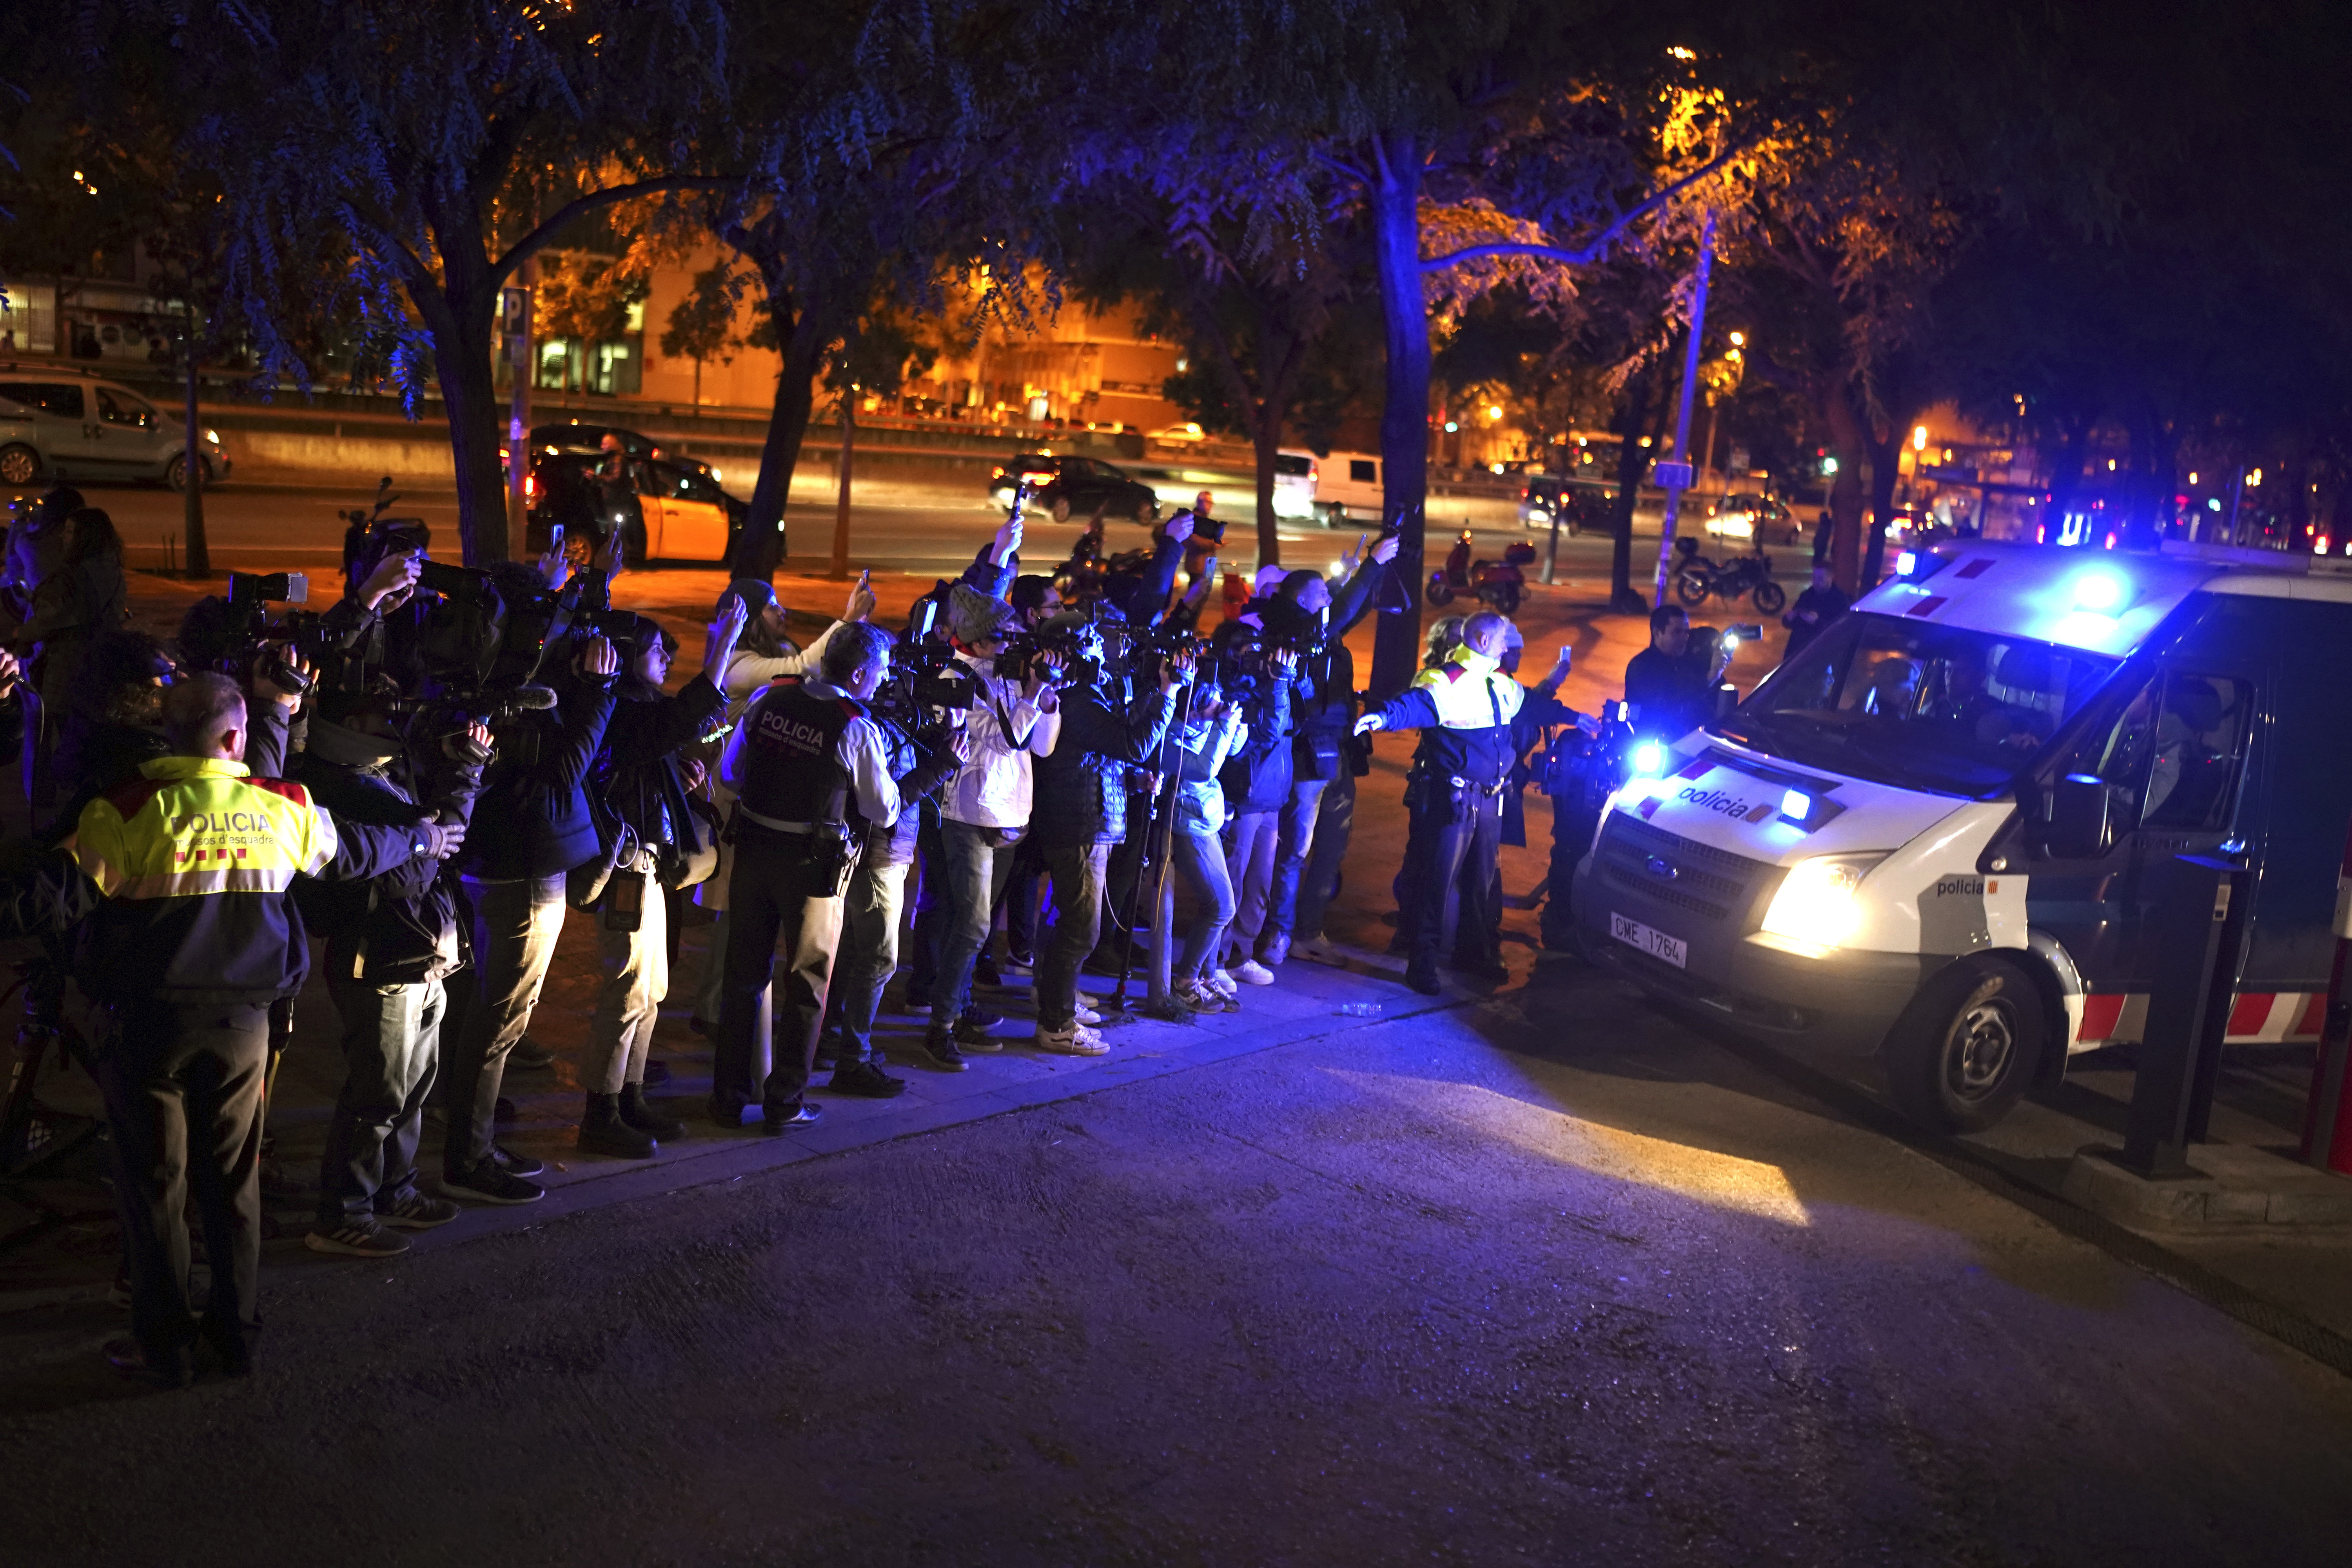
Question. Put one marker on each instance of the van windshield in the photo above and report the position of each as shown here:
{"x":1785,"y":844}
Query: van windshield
{"x":1922,"y":707}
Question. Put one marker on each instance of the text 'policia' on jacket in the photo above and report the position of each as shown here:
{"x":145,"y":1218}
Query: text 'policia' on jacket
{"x":194,"y":861}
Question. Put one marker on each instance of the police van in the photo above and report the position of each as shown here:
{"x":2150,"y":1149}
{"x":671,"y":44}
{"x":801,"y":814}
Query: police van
{"x":1940,"y":831}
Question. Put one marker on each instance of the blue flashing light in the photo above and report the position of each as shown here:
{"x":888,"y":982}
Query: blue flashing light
{"x":2098,"y":591}
{"x":1649,"y":759}
{"x":1796,"y":806}
{"x":1906,"y":563}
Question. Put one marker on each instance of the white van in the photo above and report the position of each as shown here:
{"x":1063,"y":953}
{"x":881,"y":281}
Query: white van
{"x":63,"y":424}
{"x":1347,"y":489}
{"x":1940,"y":829}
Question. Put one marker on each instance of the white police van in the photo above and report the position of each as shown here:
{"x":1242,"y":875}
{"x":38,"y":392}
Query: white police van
{"x":1938,"y":832}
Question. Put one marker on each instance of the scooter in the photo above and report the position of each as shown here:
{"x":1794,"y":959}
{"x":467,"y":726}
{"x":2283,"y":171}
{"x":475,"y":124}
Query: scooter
{"x":1454,"y":577}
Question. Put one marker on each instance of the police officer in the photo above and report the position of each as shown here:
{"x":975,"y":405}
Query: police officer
{"x":184,"y":876}
{"x":810,"y":772}
{"x":1473,"y":719}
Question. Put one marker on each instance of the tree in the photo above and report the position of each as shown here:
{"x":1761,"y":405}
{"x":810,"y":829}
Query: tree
{"x":882,"y":350}
{"x":441,"y":142}
{"x":702,"y":325}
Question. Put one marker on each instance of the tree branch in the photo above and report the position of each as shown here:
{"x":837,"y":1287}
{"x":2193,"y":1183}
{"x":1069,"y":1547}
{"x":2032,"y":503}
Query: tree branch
{"x":523,"y":249}
{"x":1599,"y":244}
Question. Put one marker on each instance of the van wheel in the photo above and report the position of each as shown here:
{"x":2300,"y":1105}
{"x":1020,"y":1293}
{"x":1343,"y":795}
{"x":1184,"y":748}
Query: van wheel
{"x":1967,"y":1049}
{"x":20,"y":465}
{"x":175,"y":473}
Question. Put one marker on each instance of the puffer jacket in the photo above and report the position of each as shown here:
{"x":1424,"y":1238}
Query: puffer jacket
{"x":638,"y":775}
{"x":1257,"y":776}
{"x":1081,"y":796}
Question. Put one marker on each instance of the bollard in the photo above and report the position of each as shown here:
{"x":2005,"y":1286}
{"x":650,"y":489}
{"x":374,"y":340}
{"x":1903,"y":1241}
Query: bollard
{"x":2188,"y":1012}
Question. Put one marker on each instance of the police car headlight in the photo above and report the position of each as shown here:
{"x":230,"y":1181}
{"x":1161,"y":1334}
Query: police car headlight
{"x":1818,"y":904}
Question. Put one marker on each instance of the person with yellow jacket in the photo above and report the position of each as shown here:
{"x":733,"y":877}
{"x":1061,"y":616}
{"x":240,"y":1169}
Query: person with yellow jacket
{"x":1475,"y":722}
{"x":179,"y":883}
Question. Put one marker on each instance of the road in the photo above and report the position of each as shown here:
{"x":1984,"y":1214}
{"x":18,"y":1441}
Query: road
{"x":1473,"y":1287}
{"x":923,"y":530}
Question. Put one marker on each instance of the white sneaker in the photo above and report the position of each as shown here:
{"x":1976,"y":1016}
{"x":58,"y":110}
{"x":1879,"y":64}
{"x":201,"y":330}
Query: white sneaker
{"x":1250,"y":971}
{"x":1086,"y":1014}
{"x":1199,"y":995}
{"x":1078,"y":1040}
{"x":1222,"y":982}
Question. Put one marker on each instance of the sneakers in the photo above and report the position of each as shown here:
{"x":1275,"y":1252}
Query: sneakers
{"x":1199,"y":995}
{"x":358,"y":1236}
{"x":983,"y":972}
{"x":1073,"y":1040}
{"x":512,"y":1164}
{"x":971,"y":1031}
{"x":865,"y":1080}
{"x":1222,"y":982}
{"x":777,"y":1122}
{"x":486,"y":1184}
{"x":416,"y":1212}
{"x":529,"y":1054}
{"x":944,"y":1053}
{"x":1318,"y":950}
{"x":1086,"y":1014}
{"x":1250,"y":971}
{"x":1018,"y":963}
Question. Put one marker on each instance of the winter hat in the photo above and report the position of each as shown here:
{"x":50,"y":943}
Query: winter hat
{"x":975,"y":617}
{"x":756,"y":595}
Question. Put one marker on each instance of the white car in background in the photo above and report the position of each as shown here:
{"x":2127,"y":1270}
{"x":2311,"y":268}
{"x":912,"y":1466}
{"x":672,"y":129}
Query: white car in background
{"x":65,"y":425}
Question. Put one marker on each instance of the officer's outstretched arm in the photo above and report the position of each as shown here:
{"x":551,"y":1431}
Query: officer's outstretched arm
{"x":1412,"y":709}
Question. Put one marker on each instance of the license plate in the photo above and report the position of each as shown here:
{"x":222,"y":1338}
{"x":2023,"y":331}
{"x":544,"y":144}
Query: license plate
{"x":1656,"y":943}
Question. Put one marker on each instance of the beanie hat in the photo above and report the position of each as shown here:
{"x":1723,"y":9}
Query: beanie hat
{"x":975,"y":617}
{"x":756,"y":594}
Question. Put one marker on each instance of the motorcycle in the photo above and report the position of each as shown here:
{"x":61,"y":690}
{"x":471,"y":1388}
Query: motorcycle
{"x":1697,"y":578}
{"x":1501,"y":586}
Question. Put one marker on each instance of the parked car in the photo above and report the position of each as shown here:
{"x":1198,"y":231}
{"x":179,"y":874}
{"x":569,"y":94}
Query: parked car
{"x":1348,"y":485}
{"x":66,"y":425}
{"x":1752,"y":519}
{"x":573,"y":436}
{"x":1080,"y":485}
{"x":1182,"y":435}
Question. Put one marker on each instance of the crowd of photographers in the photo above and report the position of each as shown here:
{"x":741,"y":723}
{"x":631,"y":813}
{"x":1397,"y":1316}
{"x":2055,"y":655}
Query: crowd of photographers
{"x":435,"y":772}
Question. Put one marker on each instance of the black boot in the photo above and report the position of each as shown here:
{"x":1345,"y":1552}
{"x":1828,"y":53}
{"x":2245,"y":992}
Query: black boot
{"x":637,"y":1113}
{"x":601,"y":1131}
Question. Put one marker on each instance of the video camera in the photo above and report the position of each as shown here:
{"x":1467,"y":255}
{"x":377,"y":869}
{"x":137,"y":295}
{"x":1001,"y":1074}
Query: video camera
{"x":244,"y":623}
{"x":926,"y":681}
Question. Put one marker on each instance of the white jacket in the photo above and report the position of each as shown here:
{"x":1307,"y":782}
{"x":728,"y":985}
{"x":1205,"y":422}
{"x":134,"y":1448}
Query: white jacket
{"x":994,"y":786}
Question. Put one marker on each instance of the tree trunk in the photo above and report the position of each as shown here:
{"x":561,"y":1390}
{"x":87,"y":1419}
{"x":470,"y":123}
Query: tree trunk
{"x":1632,"y":462}
{"x":1404,"y":413}
{"x":841,"y":496}
{"x":1267,"y":444}
{"x":200,"y":555}
{"x":1847,"y":436}
{"x":461,"y":357}
{"x":1885,"y":463}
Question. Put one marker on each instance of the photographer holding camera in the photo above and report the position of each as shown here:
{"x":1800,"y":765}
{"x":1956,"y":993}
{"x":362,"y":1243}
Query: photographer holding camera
{"x":532,"y":825}
{"x":1256,"y":677}
{"x":1114,"y":724}
{"x":810,"y":772}
{"x":986,"y":807}
{"x":1472,"y":717}
{"x":641,"y":785}
{"x":392,"y":946}
{"x":1671,"y":683}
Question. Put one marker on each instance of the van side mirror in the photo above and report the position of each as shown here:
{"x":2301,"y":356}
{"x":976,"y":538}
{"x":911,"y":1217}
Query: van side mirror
{"x":2079,"y":827}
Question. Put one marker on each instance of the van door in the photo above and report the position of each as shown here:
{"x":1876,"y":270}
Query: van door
{"x":2173,"y":761}
{"x":130,"y":436}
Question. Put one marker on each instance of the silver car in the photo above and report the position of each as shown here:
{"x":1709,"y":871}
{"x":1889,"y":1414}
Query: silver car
{"x":60,"y":425}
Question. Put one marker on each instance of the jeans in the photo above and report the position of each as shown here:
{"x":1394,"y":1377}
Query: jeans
{"x":637,"y":977}
{"x":392,"y":1045}
{"x":1081,"y":873}
{"x":869,"y":952}
{"x":1335,"y":823}
{"x":516,"y":922}
{"x":714,"y":970}
{"x":931,"y":880}
{"x":183,"y":1091}
{"x":773,"y":894}
{"x":1200,"y":859}
{"x":979,"y":864}
{"x":1293,"y":844}
{"x":1021,"y":901}
{"x":1250,"y":866}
